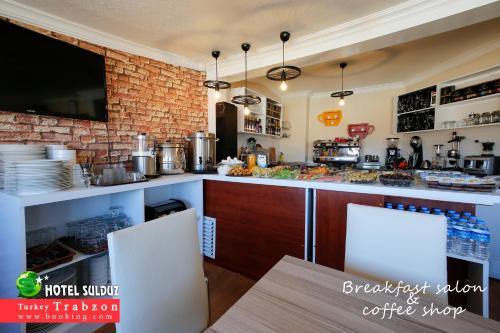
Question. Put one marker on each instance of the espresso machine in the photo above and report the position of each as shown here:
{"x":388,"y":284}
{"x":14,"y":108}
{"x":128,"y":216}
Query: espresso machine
{"x":392,"y":153}
{"x":339,"y":152}
{"x":454,"y":153}
{"x":416,"y":159}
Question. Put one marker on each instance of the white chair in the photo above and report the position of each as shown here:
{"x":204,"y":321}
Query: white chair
{"x":390,"y":245}
{"x":159,"y":271}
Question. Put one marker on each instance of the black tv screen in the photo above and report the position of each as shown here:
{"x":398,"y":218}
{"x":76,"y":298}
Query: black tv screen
{"x":44,"y":76}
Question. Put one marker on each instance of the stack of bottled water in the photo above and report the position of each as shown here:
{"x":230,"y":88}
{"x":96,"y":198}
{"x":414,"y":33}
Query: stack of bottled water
{"x":466,"y":234}
{"x":469,"y":235}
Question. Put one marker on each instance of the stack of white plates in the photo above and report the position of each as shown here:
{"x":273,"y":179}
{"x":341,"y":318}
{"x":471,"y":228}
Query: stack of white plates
{"x":18,"y":152}
{"x":35,"y":176}
{"x":55,"y":152}
{"x":64,"y":276}
{"x":98,"y":271}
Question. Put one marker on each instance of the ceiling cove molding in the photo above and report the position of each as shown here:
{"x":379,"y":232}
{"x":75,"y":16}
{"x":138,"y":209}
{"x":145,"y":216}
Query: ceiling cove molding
{"x":365,"y":89}
{"x":26,"y":14}
{"x":457,"y":61}
{"x":406,"y":15}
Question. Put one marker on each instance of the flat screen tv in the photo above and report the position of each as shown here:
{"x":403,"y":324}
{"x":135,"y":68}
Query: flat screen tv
{"x":44,"y":76}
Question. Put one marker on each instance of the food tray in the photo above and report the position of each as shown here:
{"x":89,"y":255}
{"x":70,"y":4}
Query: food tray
{"x":53,"y":254}
{"x":395,"y":182}
{"x":71,"y":243}
{"x":467,"y":188}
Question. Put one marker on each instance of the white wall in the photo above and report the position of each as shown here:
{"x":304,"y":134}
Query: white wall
{"x":376,"y":107}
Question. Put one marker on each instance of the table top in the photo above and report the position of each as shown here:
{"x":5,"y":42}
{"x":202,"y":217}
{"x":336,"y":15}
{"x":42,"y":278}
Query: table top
{"x":299,"y":296}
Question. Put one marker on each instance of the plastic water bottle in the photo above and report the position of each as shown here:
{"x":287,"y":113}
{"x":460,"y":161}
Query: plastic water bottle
{"x":412,"y":208}
{"x":482,"y":242}
{"x":461,"y":238}
{"x":388,"y":205}
{"x":449,"y":236}
{"x":436,"y":211}
{"x":466,"y":215}
{"x":450,"y":212}
{"x":400,"y":206}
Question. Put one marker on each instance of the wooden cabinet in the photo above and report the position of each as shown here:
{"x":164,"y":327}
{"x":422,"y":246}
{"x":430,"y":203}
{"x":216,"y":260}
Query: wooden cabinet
{"x":331,"y":218}
{"x":256,"y":224}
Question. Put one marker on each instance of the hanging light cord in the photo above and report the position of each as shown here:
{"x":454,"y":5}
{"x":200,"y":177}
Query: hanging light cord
{"x":216,"y":72}
{"x":283,"y":54}
{"x":342,"y":84}
{"x":246,"y":87}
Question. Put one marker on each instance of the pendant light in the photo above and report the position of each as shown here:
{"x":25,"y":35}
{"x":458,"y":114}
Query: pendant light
{"x":216,"y":84}
{"x":283,"y":73}
{"x":342,"y":93}
{"x":246,"y":99}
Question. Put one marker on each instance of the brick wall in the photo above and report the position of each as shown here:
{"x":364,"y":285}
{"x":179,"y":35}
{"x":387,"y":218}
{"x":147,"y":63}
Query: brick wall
{"x":144,"y":95}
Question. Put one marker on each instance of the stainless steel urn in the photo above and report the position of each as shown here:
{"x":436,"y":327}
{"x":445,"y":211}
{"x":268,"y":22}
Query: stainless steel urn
{"x":171,"y":158}
{"x":201,"y":152}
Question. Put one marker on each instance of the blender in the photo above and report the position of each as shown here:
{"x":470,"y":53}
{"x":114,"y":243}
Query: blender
{"x":454,"y":152}
{"x":392,"y":153}
{"x":438,"y":158}
{"x":144,"y":155}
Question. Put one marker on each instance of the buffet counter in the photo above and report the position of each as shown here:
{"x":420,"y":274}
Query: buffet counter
{"x":418,"y":191}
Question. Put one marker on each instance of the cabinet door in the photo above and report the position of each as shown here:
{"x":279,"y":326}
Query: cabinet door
{"x":256,"y":225}
{"x":331,"y":221}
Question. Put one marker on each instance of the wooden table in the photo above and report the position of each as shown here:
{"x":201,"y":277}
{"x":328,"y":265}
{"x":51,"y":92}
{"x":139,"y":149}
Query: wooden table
{"x":299,"y":296}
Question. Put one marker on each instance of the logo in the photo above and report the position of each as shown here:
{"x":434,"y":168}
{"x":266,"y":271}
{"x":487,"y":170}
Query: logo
{"x":29,"y":284}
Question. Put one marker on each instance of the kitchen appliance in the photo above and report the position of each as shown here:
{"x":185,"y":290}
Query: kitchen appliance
{"x":362,"y":130}
{"x":171,"y":158}
{"x":226,"y":124}
{"x":454,"y":152}
{"x":341,"y":151}
{"x":416,"y":158}
{"x":438,"y":161}
{"x":160,"y":209}
{"x":392,"y":153}
{"x":144,"y":155}
{"x":201,"y":152}
{"x":479,"y":165}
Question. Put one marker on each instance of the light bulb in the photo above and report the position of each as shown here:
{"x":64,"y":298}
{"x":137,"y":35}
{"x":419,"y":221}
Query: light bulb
{"x":283,"y":85}
{"x":246,"y":110}
{"x":217,"y":94}
{"x":341,"y":102}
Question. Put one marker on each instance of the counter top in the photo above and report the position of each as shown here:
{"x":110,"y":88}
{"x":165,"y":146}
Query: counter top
{"x":417,"y":191}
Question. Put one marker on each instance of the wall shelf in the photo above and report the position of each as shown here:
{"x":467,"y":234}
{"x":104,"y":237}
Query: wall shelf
{"x":460,"y":110}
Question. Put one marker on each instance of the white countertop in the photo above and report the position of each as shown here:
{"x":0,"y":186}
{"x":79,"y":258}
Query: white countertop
{"x":417,"y":191}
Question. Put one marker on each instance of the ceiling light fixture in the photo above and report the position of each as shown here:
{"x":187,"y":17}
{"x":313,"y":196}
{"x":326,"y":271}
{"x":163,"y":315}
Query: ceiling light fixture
{"x":342,"y":93}
{"x":216,"y":84}
{"x":246,"y":99}
{"x":283,"y":73}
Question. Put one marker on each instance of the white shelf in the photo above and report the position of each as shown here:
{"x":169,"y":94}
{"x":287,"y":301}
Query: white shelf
{"x":260,"y":134}
{"x":467,"y":258}
{"x":79,"y":256}
{"x":451,"y":128}
{"x":469,"y":101}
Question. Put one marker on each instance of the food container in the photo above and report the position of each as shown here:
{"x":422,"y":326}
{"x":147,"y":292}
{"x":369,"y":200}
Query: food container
{"x":396,"y":179}
{"x":171,"y":158}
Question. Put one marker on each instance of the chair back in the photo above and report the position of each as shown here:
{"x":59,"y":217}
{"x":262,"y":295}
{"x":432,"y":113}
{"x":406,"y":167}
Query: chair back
{"x":158,"y":269}
{"x":391,"y":245}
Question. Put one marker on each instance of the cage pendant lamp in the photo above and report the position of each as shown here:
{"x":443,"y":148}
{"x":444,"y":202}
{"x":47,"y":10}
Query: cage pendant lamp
{"x":284,"y":72}
{"x":342,"y":93}
{"x":216,"y":84}
{"x":246,"y":99}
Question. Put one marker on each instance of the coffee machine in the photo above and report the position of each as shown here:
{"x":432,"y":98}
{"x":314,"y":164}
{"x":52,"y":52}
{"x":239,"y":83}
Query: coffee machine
{"x":392,"y":153}
{"x":339,"y":152}
{"x":416,"y":158}
{"x":454,"y":152}
{"x":483,"y":165}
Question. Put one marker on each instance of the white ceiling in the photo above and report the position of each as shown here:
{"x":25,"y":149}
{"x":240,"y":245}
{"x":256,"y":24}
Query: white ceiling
{"x":398,"y":63}
{"x":192,"y":28}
